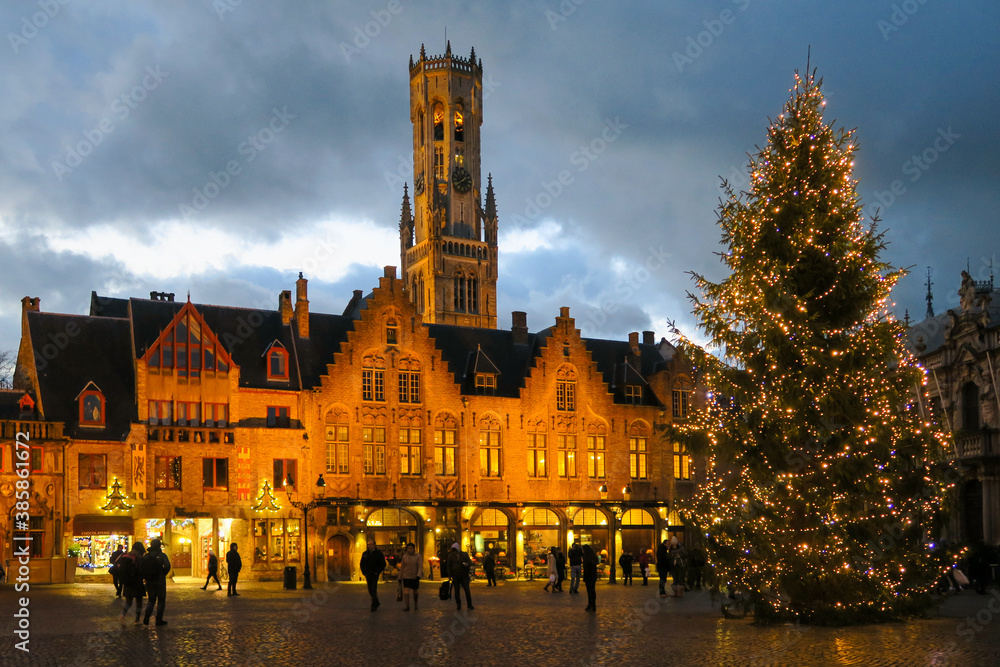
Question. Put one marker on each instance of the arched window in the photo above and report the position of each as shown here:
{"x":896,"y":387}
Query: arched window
{"x":390,"y":516}
{"x":459,"y":124}
{"x":491,"y":517}
{"x":540,"y":517}
{"x":438,"y":122}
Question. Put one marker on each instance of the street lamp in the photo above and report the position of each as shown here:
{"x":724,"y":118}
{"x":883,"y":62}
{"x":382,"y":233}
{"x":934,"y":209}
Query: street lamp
{"x":627,"y":492}
{"x":603,"y":490}
{"x":305,"y":507}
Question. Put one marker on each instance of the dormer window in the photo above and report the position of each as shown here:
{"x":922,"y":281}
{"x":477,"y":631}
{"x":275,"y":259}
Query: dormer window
{"x":486,"y":384}
{"x":633,"y":394}
{"x":91,"y":402}
{"x":277,"y":362}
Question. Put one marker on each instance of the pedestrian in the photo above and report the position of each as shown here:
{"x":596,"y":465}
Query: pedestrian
{"x":459,"y":565}
{"x":575,"y":567}
{"x":678,"y":557}
{"x":644,"y":566}
{"x":590,"y":576}
{"x":155,"y":567}
{"x":663,"y":566}
{"x":560,"y":569}
{"x":372,"y":565}
{"x":213,"y":571}
{"x":411,"y":570}
{"x":133,"y":589}
{"x":490,"y":568}
{"x":550,"y":570}
{"x":625,"y":560}
{"x":234,"y":564}
{"x":696,"y":565}
{"x":115,"y":579}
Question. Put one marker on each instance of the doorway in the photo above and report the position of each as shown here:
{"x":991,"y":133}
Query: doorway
{"x":338,"y":558}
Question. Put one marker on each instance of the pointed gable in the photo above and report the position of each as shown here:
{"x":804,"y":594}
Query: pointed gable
{"x":188,"y":345}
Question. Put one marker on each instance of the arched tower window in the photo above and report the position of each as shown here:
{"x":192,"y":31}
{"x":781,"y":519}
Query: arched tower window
{"x":438,"y":122}
{"x":459,"y":124}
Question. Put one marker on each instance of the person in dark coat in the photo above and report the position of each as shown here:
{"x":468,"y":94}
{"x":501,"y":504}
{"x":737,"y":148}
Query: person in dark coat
{"x":213,"y":571}
{"x":625,"y":560}
{"x":459,"y":565}
{"x":560,"y":569}
{"x":575,"y":567}
{"x":663,"y":566}
{"x":490,"y":567}
{"x":156,"y":585}
{"x":590,"y":576}
{"x":133,"y":589}
{"x":372,"y":565}
{"x":234,"y":564}
{"x":644,"y":566}
{"x":115,"y":579}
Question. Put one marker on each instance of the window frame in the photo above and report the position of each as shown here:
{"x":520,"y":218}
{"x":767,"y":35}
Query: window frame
{"x":409,"y":386}
{"x":638,"y":452}
{"x":537,"y":454}
{"x":682,"y":463}
{"x":486,"y":384}
{"x":214,"y":473}
{"x":597,"y":456}
{"x":373,"y":444}
{"x":173,"y":471}
{"x":101,"y":484}
{"x":287,"y":468}
{"x":566,"y":455}
{"x":85,"y":403}
{"x":280,"y":355}
{"x":338,"y":449}
{"x":36,"y":459}
{"x":490,"y":452}
{"x":566,"y":395}
{"x":410,"y":451}
{"x":278,"y":416}
{"x":446,"y":452}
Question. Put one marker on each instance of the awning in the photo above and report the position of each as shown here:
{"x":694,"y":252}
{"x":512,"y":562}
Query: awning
{"x":99,"y":524}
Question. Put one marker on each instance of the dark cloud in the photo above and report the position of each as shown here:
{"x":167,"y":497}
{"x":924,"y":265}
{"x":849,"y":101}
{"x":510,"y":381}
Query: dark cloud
{"x":689,"y":85}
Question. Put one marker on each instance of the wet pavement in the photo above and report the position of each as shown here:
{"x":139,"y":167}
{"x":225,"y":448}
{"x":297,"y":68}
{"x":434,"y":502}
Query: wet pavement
{"x":516,"y":623}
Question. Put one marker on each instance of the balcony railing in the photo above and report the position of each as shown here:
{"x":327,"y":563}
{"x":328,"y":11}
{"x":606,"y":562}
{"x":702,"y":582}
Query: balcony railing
{"x":976,"y":444}
{"x":196,"y":434}
{"x":35,"y":430}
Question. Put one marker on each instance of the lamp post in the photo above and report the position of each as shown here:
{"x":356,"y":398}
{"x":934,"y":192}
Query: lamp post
{"x":305,"y":507}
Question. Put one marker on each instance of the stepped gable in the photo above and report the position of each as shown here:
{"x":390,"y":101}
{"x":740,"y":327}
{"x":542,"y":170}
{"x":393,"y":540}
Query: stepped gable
{"x":610,"y":356}
{"x":99,"y":351}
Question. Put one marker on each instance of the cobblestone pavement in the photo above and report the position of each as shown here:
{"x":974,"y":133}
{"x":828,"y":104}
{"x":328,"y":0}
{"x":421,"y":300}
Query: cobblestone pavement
{"x":515,"y":624}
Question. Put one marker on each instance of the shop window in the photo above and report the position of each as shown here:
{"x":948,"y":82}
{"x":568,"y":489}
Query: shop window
{"x":409,"y":387}
{"x":160,"y":413}
{"x":277,"y":416}
{"x":91,"y":408}
{"x":409,"y":451}
{"x":168,"y":472}
{"x":566,"y":453}
{"x":595,"y":456}
{"x":486,"y":384}
{"x":536,"y":454}
{"x":276,"y":540}
{"x":277,"y":363}
{"x":374,"y":450}
{"x":445,"y":451}
{"x":93,"y":471}
{"x":215,"y":473}
{"x":285,"y":474}
{"x":337,"y":442}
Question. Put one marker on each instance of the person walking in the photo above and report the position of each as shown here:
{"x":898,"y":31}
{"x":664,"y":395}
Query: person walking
{"x":459,"y":565}
{"x":131,"y":581}
{"x":550,"y":570}
{"x":625,"y":561}
{"x":372,"y":566}
{"x":590,"y":576}
{"x":644,"y":566}
{"x":678,"y":558}
{"x":115,"y":579}
{"x":575,"y":567}
{"x":155,"y":567}
{"x":411,"y":570}
{"x":560,"y":569}
{"x":234,"y":564}
{"x":663,"y":566}
{"x":213,"y":571}
{"x":490,"y":568}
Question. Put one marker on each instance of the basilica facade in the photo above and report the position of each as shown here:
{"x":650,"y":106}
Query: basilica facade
{"x":409,"y":417}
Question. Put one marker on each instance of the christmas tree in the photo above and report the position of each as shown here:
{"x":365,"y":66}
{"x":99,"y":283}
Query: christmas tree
{"x":824,"y":473}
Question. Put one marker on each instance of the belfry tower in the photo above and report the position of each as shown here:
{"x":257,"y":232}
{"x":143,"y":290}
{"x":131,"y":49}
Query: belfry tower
{"x":448,"y":241}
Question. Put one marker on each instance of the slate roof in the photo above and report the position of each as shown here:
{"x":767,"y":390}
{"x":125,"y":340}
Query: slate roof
{"x":100,"y":351}
{"x":612,"y":358}
{"x":459,"y":346}
{"x":932,"y":330}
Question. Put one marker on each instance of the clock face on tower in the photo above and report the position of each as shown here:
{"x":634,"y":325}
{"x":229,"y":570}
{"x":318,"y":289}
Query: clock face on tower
{"x":461,"y":179}
{"x":418,"y":184}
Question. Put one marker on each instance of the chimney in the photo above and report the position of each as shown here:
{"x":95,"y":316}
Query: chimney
{"x":633,"y":346}
{"x":31,"y":303}
{"x":519,"y":327}
{"x":301,"y":307}
{"x":648,"y":338}
{"x":285,"y":306}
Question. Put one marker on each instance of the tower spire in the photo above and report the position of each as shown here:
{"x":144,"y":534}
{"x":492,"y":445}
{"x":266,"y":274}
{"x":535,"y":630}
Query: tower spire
{"x":930,"y":295}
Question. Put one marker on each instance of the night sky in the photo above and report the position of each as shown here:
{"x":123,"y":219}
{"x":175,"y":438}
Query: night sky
{"x":119,"y":121}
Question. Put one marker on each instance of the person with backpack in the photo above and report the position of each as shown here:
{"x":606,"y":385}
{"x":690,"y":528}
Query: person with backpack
{"x":213,"y":571}
{"x":131,"y":580}
{"x":113,"y":561}
{"x":154,"y":567}
{"x":459,"y":567}
{"x":234,"y":564}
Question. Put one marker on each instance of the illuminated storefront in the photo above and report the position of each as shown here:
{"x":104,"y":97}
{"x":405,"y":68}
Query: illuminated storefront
{"x":96,"y":536}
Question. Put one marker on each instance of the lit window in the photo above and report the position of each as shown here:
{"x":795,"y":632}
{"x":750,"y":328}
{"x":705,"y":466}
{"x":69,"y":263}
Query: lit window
{"x":160,"y":413}
{"x":637,"y":457}
{"x":438,"y":122}
{"x":276,"y":540}
{"x":337,"y":444}
{"x":409,"y":387}
{"x":168,"y":472}
{"x":566,"y":395}
{"x":536,"y":454}
{"x":285,"y":473}
{"x":216,"y":415}
{"x":93,"y":471}
{"x":459,"y":126}
{"x":374,"y":449}
{"x":682,"y":462}
{"x":445,"y":451}
{"x":187,"y":414}
{"x":566,"y":455}
{"x":595,"y":456}
{"x":489,"y":450}
{"x":91,"y":408}
{"x":409,"y":451}
{"x":486,"y":384}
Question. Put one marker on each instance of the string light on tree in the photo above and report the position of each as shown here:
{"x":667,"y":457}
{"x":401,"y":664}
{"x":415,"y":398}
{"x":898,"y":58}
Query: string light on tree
{"x":824,"y":482}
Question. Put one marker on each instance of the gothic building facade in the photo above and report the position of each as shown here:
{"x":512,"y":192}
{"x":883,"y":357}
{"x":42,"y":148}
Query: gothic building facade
{"x":960,"y":349}
{"x":409,"y":417}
